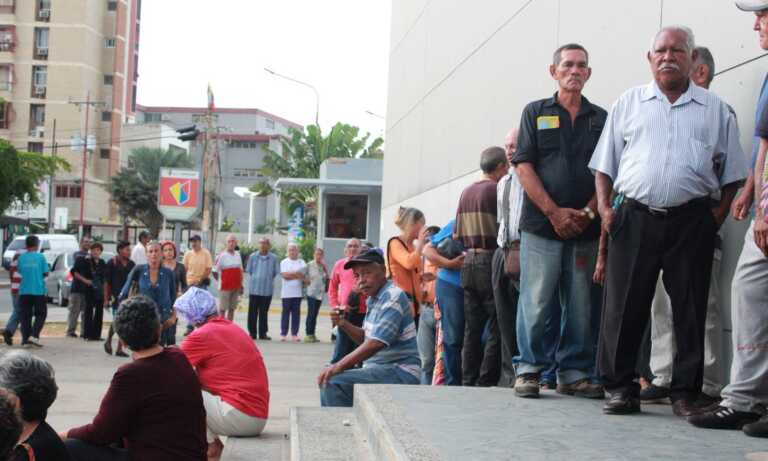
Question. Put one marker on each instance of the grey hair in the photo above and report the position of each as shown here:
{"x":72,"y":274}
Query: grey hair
{"x":690,"y":40}
{"x":705,"y":57}
{"x":33,"y":381}
{"x":292,"y":245}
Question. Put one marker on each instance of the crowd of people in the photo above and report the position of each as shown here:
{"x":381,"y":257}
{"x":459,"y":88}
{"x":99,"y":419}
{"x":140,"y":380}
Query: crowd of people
{"x":586,"y":259}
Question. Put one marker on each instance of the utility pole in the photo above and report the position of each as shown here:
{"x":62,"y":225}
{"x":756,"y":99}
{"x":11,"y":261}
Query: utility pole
{"x":88,"y":104}
{"x":51,"y":183}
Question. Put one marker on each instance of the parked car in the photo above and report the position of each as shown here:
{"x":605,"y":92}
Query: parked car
{"x":59,"y":280}
{"x":50,"y":245}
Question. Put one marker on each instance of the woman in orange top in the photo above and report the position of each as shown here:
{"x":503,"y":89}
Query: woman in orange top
{"x":404,"y":256}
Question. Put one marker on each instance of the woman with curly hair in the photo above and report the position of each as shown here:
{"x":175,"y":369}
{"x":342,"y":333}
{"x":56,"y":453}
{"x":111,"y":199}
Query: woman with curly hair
{"x":10,"y":424}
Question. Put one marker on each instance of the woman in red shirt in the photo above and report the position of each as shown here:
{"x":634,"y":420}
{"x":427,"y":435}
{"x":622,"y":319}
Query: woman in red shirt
{"x":230,"y":369}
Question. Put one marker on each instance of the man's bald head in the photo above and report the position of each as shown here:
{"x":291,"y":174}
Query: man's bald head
{"x":510,"y":143}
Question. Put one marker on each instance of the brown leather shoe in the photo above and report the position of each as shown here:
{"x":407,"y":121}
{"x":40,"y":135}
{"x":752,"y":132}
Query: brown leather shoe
{"x":685,"y":408}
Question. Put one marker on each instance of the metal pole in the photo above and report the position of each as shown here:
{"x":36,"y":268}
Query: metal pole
{"x":250,"y":217}
{"x":81,"y":231}
{"x":51,"y":181}
{"x":317,"y":94}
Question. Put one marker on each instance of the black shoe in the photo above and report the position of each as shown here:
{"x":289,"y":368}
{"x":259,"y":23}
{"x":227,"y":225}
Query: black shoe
{"x":265,"y":338}
{"x":685,"y":408}
{"x":723,"y":418}
{"x":706,"y":402}
{"x":8,"y":337}
{"x":527,"y":386}
{"x":620,"y":403}
{"x":120,"y":354}
{"x":758,"y":428}
{"x":108,"y":347}
{"x":653,"y":393}
{"x":71,"y":335}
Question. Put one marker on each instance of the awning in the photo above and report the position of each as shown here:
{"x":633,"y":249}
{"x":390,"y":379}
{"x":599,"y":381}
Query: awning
{"x":340,"y":185}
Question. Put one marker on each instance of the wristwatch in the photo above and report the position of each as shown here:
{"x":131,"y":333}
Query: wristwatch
{"x":589,"y":212}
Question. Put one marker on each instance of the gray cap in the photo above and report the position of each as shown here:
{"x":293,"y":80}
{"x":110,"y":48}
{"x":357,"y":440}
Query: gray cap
{"x":752,"y":5}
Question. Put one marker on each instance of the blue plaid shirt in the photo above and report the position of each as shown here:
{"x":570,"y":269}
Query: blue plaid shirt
{"x":262,"y":270}
{"x":389,"y":321}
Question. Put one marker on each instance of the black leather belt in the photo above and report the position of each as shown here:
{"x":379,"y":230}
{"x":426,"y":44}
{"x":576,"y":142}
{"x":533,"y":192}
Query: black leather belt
{"x":687,"y":207}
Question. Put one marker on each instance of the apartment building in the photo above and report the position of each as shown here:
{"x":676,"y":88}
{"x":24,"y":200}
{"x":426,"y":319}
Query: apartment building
{"x":54,"y":54}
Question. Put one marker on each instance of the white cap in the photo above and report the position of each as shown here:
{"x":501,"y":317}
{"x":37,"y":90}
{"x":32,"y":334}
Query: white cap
{"x":752,"y":5}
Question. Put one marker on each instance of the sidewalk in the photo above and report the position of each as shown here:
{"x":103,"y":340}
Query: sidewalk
{"x":83,"y":372}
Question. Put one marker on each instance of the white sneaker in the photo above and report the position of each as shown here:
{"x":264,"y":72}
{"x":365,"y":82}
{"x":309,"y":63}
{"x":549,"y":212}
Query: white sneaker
{"x":35,"y":341}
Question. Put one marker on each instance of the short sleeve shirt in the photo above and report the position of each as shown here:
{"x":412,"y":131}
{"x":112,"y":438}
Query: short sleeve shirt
{"x":197,"y":263}
{"x":559,"y":152}
{"x":292,"y":288}
{"x":451,"y":276}
{"x":32,"y":267}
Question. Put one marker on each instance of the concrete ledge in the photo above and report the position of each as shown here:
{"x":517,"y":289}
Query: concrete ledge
{"x":326,"y":434}
{"x":264,"y":446}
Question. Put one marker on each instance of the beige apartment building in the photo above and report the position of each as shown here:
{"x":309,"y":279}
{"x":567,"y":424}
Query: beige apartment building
{"x":55,"y":55}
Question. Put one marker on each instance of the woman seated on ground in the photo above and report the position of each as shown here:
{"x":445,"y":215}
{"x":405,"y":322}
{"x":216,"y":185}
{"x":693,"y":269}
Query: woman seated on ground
{"x":32,"y":380}
{"x":10,"y":424}
{"x":230,"y":368}
{"x":153,"y":406}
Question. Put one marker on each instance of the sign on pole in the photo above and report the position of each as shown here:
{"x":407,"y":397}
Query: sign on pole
{"x":178,"y":198}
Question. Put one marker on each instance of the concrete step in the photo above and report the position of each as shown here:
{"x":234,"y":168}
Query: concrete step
{"x":327,"y":434}
{"x":271,"y":446}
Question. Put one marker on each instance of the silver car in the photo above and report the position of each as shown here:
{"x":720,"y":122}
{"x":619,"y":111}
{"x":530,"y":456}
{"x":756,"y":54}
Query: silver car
{"x":59,"y":280}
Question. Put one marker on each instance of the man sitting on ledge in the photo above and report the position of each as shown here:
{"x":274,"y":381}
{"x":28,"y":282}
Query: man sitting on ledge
{"x":387,"y":341}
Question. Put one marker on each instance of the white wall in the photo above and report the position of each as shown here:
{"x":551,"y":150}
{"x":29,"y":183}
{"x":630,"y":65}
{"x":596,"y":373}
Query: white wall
{"x":461,"y":73}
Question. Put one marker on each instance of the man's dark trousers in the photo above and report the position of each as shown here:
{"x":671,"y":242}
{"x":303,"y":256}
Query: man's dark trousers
{"x":505,"y":296}
{"x":643,"y":242}
{"x":479,"y":367}
{"x":258,"y":310}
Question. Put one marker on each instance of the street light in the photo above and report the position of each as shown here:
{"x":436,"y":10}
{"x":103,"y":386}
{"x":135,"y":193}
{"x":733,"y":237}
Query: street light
{"x":317,"y":95}
{"x":245,"y":192}
{"x":374,"y":114}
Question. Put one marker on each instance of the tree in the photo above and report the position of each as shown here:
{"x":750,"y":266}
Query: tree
{"x":134,"y":188}
{"x":21,"y":174}
{"x":302,"y":154}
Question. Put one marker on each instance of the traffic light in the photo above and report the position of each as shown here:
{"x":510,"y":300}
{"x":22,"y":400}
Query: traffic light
{"x":188,"y":133}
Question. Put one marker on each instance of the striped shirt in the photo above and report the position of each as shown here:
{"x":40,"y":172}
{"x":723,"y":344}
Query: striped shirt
{"x":665,"y":155}
{"x":516,"y":196}
{"x":262,"y":270}
{"x":14,"y":275}
{"x":389,"y":321}
{"x":476,"y":217}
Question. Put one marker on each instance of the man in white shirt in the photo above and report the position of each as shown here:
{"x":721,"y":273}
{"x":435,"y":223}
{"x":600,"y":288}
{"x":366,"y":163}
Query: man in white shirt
{"x":293,"y":270}
{"x":139,"y":252}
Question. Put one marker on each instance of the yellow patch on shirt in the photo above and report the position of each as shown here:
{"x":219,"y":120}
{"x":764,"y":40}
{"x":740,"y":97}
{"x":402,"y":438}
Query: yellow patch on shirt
{"x":547,"y":122}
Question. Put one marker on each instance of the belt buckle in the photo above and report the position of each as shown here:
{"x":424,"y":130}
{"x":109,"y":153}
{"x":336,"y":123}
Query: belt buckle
{"x":658,"y":211}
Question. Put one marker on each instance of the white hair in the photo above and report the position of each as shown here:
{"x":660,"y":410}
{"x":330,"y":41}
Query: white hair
{"x":690,"y":40}
{"x":291,"y":245}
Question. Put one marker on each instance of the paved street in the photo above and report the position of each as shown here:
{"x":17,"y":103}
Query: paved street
{"x":83,"y":372}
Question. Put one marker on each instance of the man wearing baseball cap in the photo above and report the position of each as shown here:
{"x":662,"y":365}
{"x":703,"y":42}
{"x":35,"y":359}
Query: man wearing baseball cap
{"x":387,"y":341}
{"x":744,"y":399}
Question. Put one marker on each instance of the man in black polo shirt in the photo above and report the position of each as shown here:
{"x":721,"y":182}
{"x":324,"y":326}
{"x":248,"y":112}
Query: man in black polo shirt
{"x":118,"y":269}
{"x":559,"y":229}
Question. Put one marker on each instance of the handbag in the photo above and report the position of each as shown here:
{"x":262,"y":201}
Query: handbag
{"x":511,"y":249}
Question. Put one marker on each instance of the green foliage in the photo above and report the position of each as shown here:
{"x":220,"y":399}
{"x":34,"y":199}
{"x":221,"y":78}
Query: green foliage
{"x":307,"y":248}
{"x":21,"y":174}
{"x":134,"y":188}
{"x":271,"y":227}
{"x":303,"y":153}
{"x":227,"y":224}
{"x":246,"y":251}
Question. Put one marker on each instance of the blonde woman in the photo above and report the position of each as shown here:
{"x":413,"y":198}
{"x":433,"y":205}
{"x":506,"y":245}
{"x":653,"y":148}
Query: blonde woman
{"x":404,"y":255}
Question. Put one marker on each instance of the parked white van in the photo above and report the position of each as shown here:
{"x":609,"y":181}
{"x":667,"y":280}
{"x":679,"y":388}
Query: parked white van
{"x":51,"y":245}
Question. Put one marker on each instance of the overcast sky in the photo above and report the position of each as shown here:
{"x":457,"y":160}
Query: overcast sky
{"x":339,"y":46}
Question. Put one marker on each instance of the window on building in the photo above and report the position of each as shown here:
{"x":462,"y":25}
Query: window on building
{"x":6,"y":77}
{"x":5,"y":110}
{"x":40,"y":50}
{"x":246,"y":173}
{"x":7,"y":38}
{"x":138,"y":9}
{"x":36,"y":119}
{"x":35,"y":147}
{"x":270,"y":123}
{"x":133,"y":99}
{"x":110,"y":42}
{"x":153,"y":118}
{"x":39,"y":81}
{"x":243,"y":144}
{"x":346,"y":216}
{"x":109,"y":79}
{"x":106,"y":116}
{"x":104,"y":153}
{"x":111,"y":5}
{"x":67,"y":191}
{"x":43,"y":12}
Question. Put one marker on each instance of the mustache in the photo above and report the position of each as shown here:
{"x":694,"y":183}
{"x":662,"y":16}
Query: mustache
{"x":669,"y":65}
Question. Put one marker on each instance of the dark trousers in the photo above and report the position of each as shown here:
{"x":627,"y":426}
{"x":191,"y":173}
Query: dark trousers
{"x":81,"y":451}
{"x":258,"y":309}
{"x":313,"y":309}
{"x":481,"y":366}
{"x":344,"y":344}
{"x":505,"y":296}
{"x":291,"y":315}
{"x":32,"y":306}
{"x":93,"y":317}
{"x":642,"y":244}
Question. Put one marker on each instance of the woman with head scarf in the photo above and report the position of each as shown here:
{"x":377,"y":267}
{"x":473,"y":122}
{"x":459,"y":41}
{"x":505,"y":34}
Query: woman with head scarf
{"x":230,"y":368}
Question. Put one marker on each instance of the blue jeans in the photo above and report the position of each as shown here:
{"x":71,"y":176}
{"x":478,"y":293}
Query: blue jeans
{"x":426,"y":339}
{"x":547,"y":265}
{"x":292,"y":315}
{"x":552,"y":339}
{"x":13,"y":320}
{"x":339,"y":390}
{"x":313,"y":309}
{"x":450,"y":298}
{"x":344,"y":344}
